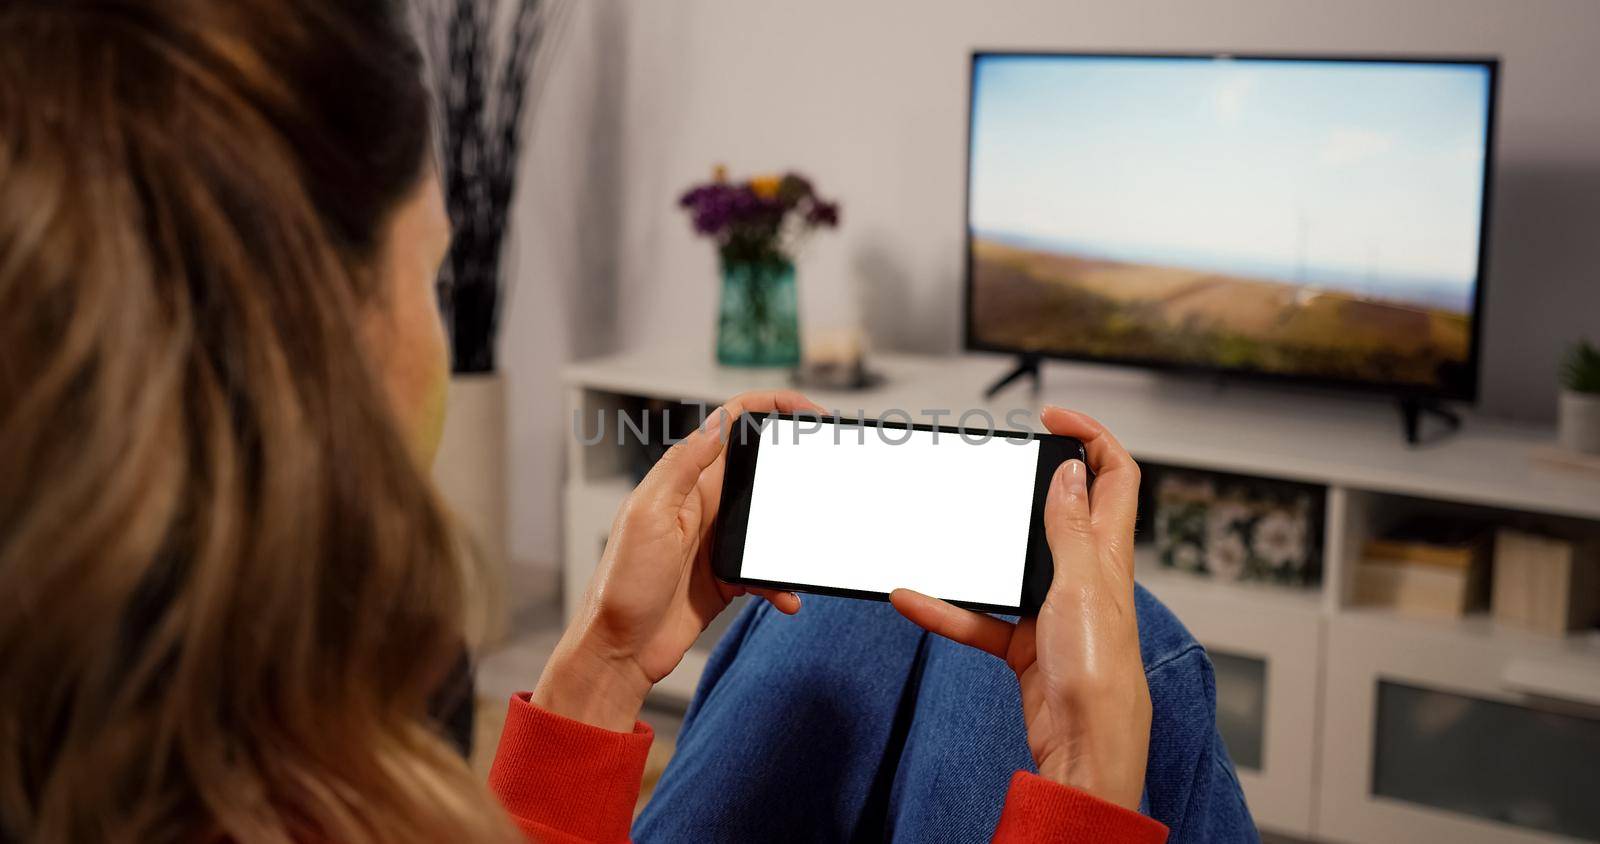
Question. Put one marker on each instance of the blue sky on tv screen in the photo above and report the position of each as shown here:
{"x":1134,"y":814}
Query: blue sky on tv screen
{"x":1366,"y":177}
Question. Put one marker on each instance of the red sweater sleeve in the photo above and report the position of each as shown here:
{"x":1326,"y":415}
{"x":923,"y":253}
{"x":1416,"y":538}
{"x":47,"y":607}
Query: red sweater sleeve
{"x":566,"y":781}
{"x":1038,"y":810}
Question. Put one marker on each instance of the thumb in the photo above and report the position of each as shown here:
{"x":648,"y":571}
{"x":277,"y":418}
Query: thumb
{"x":1067,"y":525}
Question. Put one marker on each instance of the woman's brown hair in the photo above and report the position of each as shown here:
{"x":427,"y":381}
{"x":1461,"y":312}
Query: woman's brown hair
{"x":226,"y":587}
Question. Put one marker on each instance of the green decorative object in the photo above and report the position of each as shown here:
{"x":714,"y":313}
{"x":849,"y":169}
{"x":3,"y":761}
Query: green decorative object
{"x":1578,"y":408}
{"x":1580,"y":369}
{"x":757,"y":225}
{"x":758,"y":323}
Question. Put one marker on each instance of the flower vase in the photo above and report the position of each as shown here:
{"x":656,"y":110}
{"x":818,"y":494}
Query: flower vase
{"x":758,"y":323}
{"x":470,"y":473}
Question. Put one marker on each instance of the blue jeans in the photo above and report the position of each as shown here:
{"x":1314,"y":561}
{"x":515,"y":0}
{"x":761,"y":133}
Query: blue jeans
{"x":847,"y":722}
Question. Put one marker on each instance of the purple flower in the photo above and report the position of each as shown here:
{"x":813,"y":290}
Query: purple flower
{"x":823,"y":214}
{"x":748,"y":218}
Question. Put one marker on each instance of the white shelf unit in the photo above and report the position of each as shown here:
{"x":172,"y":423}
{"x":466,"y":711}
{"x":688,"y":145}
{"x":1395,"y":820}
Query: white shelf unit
{"x":1324,"y":660}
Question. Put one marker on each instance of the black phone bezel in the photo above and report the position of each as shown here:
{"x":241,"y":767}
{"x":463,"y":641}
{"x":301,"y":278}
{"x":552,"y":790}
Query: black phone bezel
{"x":743,"y":450}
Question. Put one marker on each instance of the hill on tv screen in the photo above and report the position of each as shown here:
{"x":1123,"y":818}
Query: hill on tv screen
{"x":1317,"y":219}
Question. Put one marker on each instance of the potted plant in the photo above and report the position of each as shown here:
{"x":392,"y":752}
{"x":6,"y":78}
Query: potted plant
{"x":757,"y":225}
{"x":1579,"y":415}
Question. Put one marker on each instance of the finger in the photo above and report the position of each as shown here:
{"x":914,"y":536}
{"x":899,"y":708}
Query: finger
{"x":678,"y":471}
{"x":765,"y":401}
{"x":984,"y":632}
{"x":1114,"y":502}
{"x":1067,"y":524}
{"x":787,"y":603}
{"x":785,"y":401}
{"x":762,"y":401}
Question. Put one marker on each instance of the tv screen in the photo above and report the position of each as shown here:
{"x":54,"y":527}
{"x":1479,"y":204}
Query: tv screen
{"x":1311,"y":219}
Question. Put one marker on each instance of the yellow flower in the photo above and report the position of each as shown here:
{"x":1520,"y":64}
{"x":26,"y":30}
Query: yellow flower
{"x":765,"y":187}
{"x":719,"y":173}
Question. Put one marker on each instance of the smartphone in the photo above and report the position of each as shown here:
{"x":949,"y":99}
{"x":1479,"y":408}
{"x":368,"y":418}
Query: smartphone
{"x":858,"y":508}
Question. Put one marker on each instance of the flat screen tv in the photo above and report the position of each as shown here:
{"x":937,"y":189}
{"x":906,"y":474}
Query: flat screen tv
{"x":1311,"y":219}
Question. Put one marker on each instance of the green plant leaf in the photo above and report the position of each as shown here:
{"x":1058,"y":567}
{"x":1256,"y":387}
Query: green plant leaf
{"x":1580,"y":370}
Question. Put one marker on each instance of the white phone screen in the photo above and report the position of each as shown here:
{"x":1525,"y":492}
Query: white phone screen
{"x":876,"y":509}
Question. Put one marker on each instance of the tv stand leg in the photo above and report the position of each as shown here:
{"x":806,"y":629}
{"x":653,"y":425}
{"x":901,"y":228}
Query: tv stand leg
{"x":1027,"y":366}
{"x":1412,"y":410}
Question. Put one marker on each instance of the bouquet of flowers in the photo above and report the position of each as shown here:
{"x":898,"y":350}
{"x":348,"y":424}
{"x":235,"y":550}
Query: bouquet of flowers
{"x":758,"y":220}
{"x":757,"y":225}
{"x":1238,"y":528}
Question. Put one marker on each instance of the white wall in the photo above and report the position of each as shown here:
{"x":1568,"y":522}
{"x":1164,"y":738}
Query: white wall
{"x":562,"y":259}
{"x":869,"y":99}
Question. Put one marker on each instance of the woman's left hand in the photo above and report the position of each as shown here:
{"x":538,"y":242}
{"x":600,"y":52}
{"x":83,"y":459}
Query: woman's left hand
{"x":654,"y":593}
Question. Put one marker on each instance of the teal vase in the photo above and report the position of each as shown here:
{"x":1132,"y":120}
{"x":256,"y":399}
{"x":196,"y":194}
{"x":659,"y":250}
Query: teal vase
{"x":758,"y":323}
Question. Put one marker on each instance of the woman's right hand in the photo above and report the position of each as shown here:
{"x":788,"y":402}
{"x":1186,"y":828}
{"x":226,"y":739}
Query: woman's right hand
{"x":1084,"y":695}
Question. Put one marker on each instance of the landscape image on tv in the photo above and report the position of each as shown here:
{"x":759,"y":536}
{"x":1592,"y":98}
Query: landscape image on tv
{"x":1309,"y":218}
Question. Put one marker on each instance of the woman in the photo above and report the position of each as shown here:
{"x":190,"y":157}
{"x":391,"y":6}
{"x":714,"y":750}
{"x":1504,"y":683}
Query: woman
{"x":227,"y":588}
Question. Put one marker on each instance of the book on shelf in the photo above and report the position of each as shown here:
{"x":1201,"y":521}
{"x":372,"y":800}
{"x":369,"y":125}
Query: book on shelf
{"x":1435,"y":541}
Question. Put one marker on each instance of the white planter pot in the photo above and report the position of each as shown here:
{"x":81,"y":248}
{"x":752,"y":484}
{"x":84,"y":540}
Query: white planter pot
{"x":1578,"y":422}
{"x":470,"y":471}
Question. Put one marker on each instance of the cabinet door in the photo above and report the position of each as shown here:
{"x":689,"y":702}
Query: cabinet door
{"x":1458,"y":732}
{"x":1242,"y":707}
{"x":1264,"y":644}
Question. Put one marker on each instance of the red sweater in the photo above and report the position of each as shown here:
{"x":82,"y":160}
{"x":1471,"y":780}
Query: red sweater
{"x":566,"y":781}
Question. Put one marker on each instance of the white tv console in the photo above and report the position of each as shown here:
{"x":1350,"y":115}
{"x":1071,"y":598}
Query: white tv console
{"x":1322,"y":662}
